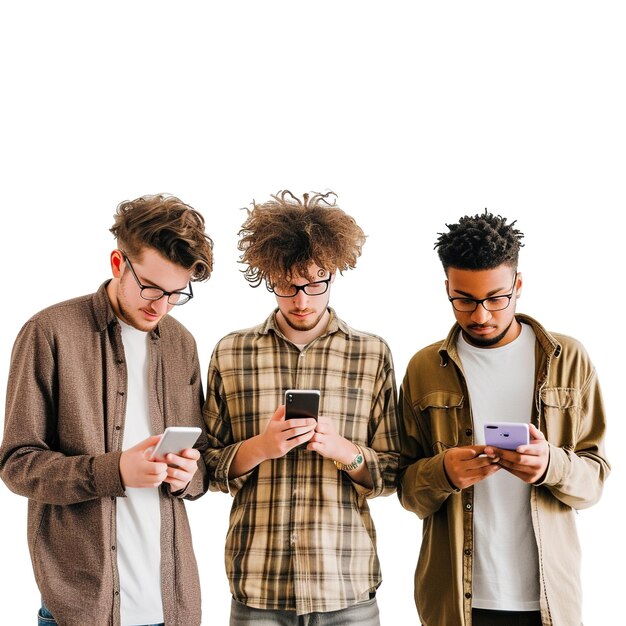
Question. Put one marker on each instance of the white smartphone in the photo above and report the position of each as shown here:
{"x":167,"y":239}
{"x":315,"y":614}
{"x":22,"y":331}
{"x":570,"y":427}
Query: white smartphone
{"x":175,"y":439}
{"x":506,"y":435}
{"x":302,"y":403}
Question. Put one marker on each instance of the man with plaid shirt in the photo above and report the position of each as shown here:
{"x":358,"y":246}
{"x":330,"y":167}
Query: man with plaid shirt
{"x":301,"y":544}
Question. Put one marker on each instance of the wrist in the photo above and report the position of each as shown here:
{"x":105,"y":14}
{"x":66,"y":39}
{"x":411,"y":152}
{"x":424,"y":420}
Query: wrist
{"x":352,"y":461}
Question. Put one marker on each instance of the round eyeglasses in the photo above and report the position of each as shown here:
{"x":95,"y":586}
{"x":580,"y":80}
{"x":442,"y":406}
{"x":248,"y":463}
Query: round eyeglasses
{"x":147,"y":292}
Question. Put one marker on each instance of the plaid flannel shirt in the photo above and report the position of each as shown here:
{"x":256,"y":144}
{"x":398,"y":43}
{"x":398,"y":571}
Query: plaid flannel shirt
{"x":301,"y":537}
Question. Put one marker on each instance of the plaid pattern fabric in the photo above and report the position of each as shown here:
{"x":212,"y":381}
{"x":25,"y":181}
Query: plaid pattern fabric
{"x":301,"y":537}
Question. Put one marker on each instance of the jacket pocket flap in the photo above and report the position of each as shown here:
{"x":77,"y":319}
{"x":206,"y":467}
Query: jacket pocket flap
{"x":561,"y":397}
{"x":440,"y":400}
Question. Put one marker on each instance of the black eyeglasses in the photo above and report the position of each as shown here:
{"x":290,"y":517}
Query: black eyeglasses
{"x":318,"y":288}
{"x":177,"y":298}
{"x":491,"y":304}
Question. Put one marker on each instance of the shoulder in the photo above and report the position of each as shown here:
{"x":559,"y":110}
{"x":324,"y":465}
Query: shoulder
{"x":69,"y":314}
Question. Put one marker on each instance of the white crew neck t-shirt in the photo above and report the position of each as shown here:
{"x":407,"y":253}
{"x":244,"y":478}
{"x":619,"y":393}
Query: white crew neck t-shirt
{"x":501,"y":384}
{"x":138,"y":514}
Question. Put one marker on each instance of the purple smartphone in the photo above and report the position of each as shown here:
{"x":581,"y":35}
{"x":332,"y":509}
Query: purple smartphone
{"x":506,"y":435}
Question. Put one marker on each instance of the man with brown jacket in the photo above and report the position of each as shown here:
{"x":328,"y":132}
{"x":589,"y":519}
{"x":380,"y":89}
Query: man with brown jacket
{"x":499,"y":544}
{"x":92,"y":383}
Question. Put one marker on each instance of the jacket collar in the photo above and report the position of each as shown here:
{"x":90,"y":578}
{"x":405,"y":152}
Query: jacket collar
{"x":548,"y":343}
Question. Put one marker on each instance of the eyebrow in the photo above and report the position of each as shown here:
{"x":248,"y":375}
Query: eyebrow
{"x":469,"y":295}
{"x":150,"y":283}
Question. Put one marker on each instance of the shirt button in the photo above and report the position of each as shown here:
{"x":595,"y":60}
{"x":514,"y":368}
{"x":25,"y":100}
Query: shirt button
{"x":293,"y":538}
{"x":468,"y":595}
{"x":112,"y":547}
{"x":301,"y":354}
{"x":467,"y":551}
{"x":121,"y":393}
{"x":468,"y":507}
{"x":468,"y":432}
{"x":117,"y":593}
{"x":118,"y":427}
{"x":120,"y":361}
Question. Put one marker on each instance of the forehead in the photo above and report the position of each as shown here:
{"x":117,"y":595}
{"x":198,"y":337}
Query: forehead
{"x":314,"y":272}
{"x":479,"y":283}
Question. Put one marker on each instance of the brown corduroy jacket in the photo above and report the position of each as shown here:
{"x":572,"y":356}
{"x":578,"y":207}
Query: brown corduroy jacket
{"x":65,"y":407}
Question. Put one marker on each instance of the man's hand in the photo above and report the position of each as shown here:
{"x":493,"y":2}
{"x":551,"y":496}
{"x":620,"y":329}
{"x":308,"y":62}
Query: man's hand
{"x":465,"y":466}
{"x":281,"y":435}
{"x":330,"y":444}
{"x":529,"y":463}
{"x":135,"y":468}
{"x":181,"y":468}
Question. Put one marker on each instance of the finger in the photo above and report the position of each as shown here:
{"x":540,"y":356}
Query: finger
{"x":297,"y":440}
{"x":191,"y":453}
{"x":146,"y":443}
{"x":297,"y":422}
{"x":535,"y":433}
{"x":154,"y":468}
{"x":279,"y":414}
{"x":296,"y":432}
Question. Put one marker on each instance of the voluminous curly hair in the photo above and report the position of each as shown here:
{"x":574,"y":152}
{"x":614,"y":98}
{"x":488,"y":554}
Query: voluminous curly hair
{"x":168,"y":225}
{"x":283,"y":236}
{"x":480,"y":242}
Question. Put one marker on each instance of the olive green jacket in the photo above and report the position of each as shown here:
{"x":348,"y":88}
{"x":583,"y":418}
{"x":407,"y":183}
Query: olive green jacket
{"x":436,"y":415}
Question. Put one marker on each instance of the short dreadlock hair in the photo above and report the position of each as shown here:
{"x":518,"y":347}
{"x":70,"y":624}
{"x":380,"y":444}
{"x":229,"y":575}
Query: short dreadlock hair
{"x":480,"y":242}
{"x":283,"y":236}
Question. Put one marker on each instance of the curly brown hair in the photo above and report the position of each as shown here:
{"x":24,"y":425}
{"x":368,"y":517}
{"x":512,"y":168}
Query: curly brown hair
{"x":168,"y":225}
{"x":283,"y":236}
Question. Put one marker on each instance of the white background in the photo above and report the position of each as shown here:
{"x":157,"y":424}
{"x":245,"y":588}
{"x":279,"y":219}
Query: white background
{"x":413,"y":113}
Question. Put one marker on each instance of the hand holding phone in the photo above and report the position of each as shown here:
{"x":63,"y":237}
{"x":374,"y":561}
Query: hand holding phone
{"x":175,"y":439}
{"x":506,"y":435}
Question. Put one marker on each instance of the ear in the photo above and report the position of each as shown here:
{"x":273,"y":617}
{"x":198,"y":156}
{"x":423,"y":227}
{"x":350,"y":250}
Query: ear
{"x":116,"y":263}
{"x":518,"y":285}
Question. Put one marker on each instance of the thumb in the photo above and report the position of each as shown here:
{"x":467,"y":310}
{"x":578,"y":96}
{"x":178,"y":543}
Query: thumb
{"x":279,"y":414}
{"x":535,"y":433}
{"x":147,"y":443}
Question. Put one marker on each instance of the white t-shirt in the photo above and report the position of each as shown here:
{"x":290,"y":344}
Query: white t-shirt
{"x":138,"y":514}
{"x":501,"y":383}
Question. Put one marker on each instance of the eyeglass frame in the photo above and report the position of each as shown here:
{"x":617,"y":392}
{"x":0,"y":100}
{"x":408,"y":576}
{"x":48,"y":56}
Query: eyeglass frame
{"x":482,"y":301}
{"x":299,"y":288}
{"x":142,"y":287}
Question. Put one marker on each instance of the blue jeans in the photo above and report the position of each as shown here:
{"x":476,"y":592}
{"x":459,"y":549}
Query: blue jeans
{"x":45,"y":617}
{"x":362,"y":614}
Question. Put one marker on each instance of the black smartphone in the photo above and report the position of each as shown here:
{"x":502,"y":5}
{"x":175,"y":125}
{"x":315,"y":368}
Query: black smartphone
{"x":302,"y":403}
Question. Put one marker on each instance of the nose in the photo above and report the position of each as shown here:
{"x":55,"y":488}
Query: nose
{"x":480,"y":315}
{"x":300,"y":300}
{"x":161,"y":306}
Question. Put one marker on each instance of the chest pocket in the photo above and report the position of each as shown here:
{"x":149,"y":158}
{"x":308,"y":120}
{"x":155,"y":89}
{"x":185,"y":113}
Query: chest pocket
{"x":441,"y":412}
{"x":561,"y":415}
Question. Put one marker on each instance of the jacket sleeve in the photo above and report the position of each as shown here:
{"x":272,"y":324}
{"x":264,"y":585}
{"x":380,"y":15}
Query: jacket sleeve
{"x":424,"y":486}
{"x":29,"y":463}
{"x":222,"y":447}
{"x":199,"y":484}
{"x":576,"y":474}
{"x":382,"y":454}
